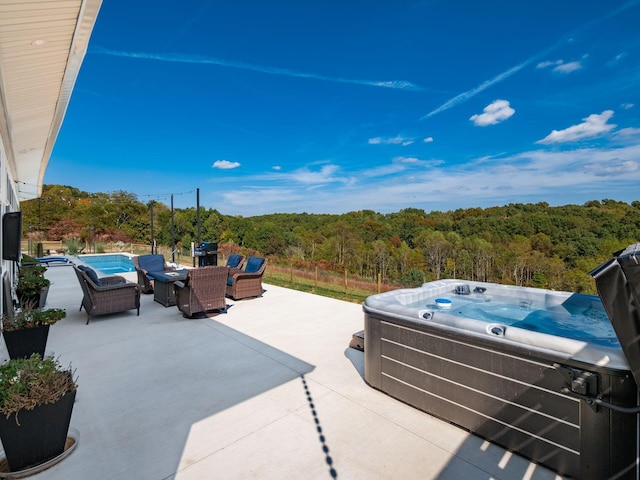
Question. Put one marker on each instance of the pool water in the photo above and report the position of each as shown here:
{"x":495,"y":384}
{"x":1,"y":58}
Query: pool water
{"x":587,"y":322}
{"x":109,"y":264}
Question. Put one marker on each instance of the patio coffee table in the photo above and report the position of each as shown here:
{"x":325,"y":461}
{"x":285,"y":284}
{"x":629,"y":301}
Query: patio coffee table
{"x":163,"y":285}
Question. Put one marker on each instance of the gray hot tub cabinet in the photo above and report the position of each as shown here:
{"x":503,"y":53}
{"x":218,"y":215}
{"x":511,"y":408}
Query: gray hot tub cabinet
{"x":528,"y":399}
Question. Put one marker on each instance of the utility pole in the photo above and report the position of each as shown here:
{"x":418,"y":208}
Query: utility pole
{"x":198,"y":213}
{"x":173,"y":238}
{"x":153,"y":238}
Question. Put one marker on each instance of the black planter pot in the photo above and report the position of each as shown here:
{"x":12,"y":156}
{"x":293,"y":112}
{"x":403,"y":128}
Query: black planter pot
{"x":34,"y":301}
{"x":40,"y":435}
{"x":23,"y":343}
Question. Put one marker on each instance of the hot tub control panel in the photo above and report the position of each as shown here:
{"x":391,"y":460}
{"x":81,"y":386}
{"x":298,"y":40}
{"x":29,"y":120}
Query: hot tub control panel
{"x":580,"y":382}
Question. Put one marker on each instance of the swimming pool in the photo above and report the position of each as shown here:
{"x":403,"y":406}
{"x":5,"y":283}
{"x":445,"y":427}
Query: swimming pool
{"x":109,"y":264}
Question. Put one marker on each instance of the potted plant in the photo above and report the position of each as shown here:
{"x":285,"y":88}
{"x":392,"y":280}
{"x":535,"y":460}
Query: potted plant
{"x":27,"y":331}
{"x":33,"y":286}
{"x":36,"y":402}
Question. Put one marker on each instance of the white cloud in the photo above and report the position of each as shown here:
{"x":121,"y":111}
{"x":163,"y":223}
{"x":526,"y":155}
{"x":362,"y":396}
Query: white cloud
{"x":613,"y":168}
{"x":244,"y":200}
{"x":428,"y":140}
{"x":627,"y":105}
{"x":495,"y":112}
{"x":277,"y":168}
{"x":417,"y":161}
{"x":617,"y":59}
{"x":628,"y":132}
{"x":560,"y":66}
{"x":592,"y":126}
{"x":562,"y":177}
{"x":548,"y":63}
{"x":406,"y":160}
{"x":225,"y":164}
{"x":383,"y":170}
{"x":397,"y":140}
{"x":568,"y":67}
{"x":627,"y":135}
{"x":398,"y":165}
{"x":325,"y":175}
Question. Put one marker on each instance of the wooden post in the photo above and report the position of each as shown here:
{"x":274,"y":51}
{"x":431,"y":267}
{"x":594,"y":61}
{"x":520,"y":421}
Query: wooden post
{"x":379,"y":282}
{"x":315,"y":282}
{"x":346,"y":285}
{"x":291,"y":273}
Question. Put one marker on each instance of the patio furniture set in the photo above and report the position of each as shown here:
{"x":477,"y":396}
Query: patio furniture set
{"x":193,"y":291}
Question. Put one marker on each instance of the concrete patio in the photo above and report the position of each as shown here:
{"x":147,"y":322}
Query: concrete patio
{"x":269,"y":390}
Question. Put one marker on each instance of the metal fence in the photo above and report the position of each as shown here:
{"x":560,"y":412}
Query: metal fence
{"x":314,"y":278}
{"x":346,"y":282}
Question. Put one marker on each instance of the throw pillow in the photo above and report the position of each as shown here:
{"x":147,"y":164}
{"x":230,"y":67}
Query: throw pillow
{"x":253,"y":264}
{"x":91,"y":273}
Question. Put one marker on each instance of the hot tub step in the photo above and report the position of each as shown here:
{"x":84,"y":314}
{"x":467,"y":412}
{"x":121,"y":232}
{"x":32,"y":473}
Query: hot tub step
{"x":357,"y":341}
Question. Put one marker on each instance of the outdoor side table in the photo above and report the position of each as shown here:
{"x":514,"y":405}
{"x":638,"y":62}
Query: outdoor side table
{"x":163,"y":285}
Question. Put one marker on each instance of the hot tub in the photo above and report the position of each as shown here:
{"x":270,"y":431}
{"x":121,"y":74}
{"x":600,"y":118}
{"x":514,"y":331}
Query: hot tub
{"x":536,"y":371}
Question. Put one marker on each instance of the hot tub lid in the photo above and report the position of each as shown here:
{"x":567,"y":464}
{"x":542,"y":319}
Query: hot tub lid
{"x":618,"y":284}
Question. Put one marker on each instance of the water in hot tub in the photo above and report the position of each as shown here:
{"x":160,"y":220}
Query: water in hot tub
{"x":585,"y":321}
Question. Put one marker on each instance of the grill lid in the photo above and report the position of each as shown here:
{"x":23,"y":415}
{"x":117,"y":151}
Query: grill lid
{"x":206,"y":248}
{"x":618,"y":284}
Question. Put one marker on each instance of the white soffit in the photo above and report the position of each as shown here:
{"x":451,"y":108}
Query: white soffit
{"x":42,"y":45}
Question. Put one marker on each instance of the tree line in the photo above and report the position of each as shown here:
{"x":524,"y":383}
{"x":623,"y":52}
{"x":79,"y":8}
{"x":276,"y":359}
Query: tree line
{"x":534,"y":245}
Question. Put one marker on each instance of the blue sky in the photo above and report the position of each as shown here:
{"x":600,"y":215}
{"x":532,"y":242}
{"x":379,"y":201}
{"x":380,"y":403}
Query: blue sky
{"x":330,"y":107}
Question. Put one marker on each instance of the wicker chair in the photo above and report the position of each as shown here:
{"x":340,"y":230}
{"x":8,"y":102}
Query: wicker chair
{"x":146,"y":264}
{"x":248,"y":282}
{"x":113,"y":293}
{"x":202,"y":291}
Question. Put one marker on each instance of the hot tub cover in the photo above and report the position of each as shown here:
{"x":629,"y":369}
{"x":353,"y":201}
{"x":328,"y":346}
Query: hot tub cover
{"x":618,"y":284}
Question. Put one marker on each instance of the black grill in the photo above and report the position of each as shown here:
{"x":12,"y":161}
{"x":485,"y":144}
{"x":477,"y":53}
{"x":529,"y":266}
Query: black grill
{"x":207,"y":253}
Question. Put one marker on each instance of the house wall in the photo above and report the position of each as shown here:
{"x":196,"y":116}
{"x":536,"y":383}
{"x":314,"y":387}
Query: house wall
{"x":8,"y":203}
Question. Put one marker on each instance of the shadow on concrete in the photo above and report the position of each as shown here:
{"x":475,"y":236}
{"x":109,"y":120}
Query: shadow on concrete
{"x":144,"y":381}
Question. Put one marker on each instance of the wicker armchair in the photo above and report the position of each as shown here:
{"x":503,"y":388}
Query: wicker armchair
{"x":202,"y":291}
{"x":145,"y":266}
{"x":111,"y":295}
{"x":248,"y":282}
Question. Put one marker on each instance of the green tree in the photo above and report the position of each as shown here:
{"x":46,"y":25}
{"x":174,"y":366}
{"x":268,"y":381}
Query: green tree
{"x":435,"y":248}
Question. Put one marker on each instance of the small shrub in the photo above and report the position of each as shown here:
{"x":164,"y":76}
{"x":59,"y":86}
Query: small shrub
{"x":414,"y":277}
{"x":31,"y":281}
{"x":31,"y":318}
{"x":73,"y":246}
{"x":28,"y":382}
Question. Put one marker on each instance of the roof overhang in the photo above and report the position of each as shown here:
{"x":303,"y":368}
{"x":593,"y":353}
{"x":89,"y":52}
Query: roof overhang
{"x":42,"y":45}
